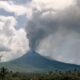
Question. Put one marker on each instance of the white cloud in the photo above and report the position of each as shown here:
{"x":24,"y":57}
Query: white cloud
{"x":13,"y":8}
{"x":52,"y":4}
{"x":13,"y":43}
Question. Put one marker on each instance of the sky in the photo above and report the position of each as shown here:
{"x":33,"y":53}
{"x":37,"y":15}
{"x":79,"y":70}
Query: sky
{"x":49,"y":27}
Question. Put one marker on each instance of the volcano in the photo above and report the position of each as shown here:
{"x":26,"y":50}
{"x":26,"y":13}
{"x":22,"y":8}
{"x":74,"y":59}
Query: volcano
{"x":34,"y":62}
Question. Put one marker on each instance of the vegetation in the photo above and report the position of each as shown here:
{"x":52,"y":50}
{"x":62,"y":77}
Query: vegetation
{"x":5,"y":74}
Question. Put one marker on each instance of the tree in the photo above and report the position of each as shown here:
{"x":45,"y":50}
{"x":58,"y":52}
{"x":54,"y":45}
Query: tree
{"x":3,"y":73}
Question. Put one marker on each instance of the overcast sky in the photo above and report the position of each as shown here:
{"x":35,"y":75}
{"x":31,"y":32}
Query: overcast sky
{"x":49,"y":27}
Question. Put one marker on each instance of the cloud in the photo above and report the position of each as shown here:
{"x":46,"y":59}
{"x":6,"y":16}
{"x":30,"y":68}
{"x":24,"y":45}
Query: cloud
{"x":13,"y":42}
{"x":13,"y":8}
{"x":22,"y":2}
{"x":51,"y":4}
{"x":54,"y":30}
{"x":3,"y":48}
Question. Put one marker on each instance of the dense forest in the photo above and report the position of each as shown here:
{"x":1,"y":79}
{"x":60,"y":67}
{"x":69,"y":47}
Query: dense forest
{"x":5,"y":74}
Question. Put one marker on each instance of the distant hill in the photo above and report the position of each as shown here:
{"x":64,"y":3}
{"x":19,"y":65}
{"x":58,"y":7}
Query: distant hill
{"x":34,"y":62}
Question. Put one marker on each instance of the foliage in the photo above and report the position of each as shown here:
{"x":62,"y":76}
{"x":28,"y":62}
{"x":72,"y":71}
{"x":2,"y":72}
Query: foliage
{"x":5,"y":74}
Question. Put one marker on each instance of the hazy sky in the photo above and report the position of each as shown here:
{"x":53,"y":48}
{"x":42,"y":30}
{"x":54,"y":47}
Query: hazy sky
{"x":50,"y":27}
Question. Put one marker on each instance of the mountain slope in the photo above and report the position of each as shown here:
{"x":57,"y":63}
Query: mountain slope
{"x":33,"y":62}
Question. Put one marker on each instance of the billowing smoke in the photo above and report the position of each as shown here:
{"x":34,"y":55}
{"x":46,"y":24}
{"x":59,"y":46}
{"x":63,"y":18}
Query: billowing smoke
{"x":44,"y":20}
{"x":54,"y":29}
{"x":39,"y":28}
